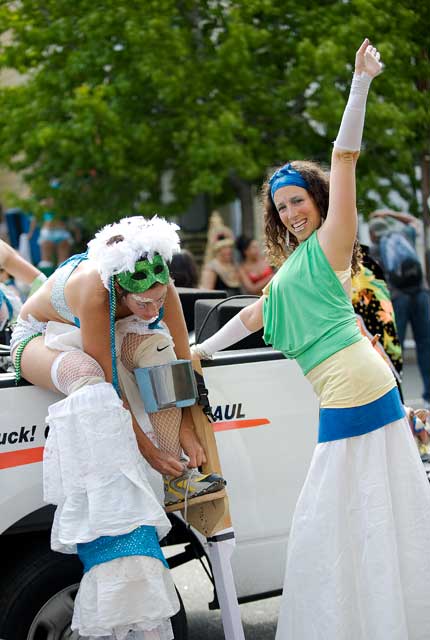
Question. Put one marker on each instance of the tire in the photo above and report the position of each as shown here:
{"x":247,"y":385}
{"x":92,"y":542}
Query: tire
{"x":36,"y":601}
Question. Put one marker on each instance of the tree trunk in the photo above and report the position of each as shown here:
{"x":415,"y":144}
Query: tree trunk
{"x":245,"y":192}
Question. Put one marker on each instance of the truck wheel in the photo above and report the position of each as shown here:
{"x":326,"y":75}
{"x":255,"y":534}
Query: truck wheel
{"x":36,"y":601}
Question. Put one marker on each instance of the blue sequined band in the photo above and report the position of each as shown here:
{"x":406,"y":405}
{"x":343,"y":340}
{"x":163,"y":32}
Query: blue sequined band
{"x":336,"y":424}
{"x":142,"y":541}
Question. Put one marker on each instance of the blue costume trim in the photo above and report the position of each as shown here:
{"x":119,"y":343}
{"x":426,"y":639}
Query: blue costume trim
{"x":286,"y":176}
{"x":57,"y":297}
{"x":336,"y":424}
{"x":5,"y":299}
{"x":142,"y":541}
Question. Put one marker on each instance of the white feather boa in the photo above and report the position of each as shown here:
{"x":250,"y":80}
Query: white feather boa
{"x":141,"y":236}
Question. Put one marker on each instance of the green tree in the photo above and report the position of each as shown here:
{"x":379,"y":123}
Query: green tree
{"x":214,"y":92}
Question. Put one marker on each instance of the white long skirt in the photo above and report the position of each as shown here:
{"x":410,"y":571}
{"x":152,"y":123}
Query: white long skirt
{"x":358,"y":563}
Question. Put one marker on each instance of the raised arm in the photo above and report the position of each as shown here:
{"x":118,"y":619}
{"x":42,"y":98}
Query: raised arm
{"x":19,"y":268}
{"x":208,"y":279}
{"x":339,"y":231}
{"x":402,"y":216}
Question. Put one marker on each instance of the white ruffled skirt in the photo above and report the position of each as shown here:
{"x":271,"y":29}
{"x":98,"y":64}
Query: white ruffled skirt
{"x":358,"y":565}
{"x":95,"y":474}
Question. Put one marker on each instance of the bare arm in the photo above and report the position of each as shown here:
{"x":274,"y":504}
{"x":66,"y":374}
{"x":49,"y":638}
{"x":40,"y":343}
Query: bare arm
{"x":208,"y":279}
{"x":174,"y":318}
{"x":252,"y":315}
{"x":338,"y":233}
{"x":247,"y":321}
{"x":407,"y":218}
{"x":19,"y":268}
{"x":93,"y":312}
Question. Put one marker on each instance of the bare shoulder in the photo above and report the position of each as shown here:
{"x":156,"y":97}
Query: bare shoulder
{"x":86,"y":292}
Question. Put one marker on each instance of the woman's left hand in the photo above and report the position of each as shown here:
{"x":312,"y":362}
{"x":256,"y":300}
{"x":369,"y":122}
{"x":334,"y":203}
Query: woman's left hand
{"x":191,"y":445}
{"x":367,"y":60}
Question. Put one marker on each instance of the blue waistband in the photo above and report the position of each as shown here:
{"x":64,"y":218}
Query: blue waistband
{"x":142,"y":541}
{"x":336,"y":424}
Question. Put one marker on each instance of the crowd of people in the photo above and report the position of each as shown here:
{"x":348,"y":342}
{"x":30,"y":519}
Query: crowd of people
{"x":234,"y":265}
{"x":358,"y":545}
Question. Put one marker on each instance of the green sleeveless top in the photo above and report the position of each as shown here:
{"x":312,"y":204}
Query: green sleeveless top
{"x":308,"y":314}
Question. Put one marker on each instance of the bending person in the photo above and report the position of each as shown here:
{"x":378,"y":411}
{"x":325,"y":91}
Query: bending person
{"x":358,"y":555}
{"x":81,"y":334}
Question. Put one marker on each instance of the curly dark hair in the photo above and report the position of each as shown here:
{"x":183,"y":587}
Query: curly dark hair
{"x":275,"y":232}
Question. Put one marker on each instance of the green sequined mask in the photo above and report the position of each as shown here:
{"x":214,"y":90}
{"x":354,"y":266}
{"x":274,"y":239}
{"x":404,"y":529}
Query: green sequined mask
{"x":146,"y":274}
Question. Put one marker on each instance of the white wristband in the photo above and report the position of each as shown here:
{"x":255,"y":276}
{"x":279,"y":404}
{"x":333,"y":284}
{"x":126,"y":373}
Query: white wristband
{"x":229,"y":334}
{"x":351,"y":128}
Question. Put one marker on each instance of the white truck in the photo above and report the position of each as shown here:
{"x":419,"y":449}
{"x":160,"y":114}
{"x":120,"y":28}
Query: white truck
{"x":266,"y":421}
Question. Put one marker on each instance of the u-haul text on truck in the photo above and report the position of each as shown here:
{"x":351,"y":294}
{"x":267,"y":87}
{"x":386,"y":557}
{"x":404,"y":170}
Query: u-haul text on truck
{"x":266,"y":417}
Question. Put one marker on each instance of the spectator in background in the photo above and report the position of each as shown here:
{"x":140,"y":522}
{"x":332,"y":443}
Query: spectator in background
{"x":391,"y":234}
{"x":254,"y":270}
{"x":372,"y":304}
{"x":183,"y":270}
{"x":399,"y":221}
{"x":12,"y":264}
{"x":55,"y":240}
{"x":220,"y":270}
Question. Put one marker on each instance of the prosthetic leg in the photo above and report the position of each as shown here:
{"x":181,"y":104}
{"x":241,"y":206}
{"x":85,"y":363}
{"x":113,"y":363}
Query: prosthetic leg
{"x":152,"y":359}
{"x":212,"y":518}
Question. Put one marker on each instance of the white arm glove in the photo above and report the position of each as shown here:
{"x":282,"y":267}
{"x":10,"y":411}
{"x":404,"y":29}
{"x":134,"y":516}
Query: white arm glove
{"x":229,"y":334}
{"x":351,"y":127}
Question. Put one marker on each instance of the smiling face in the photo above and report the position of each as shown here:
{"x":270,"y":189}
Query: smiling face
{"x":147,"y":305}
{"x":297,"y":211}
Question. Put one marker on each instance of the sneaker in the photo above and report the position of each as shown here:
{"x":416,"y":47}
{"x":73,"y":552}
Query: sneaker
{"x":189,"y":485}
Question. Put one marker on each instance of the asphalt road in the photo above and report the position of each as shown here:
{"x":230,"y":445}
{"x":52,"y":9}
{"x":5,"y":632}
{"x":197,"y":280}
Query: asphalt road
{"x":259,"y":618}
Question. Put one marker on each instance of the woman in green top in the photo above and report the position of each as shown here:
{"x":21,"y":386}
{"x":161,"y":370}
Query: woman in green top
{"x":358,"y":556}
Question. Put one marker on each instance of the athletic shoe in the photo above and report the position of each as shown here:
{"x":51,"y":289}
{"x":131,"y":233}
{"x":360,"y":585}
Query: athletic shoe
{"x":189,"y":485}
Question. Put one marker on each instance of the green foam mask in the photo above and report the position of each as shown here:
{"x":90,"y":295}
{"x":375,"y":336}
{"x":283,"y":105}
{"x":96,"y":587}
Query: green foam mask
{"x":145,"y":275}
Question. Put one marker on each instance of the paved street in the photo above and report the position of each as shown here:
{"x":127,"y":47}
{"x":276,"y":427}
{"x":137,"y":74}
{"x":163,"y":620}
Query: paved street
{"x":259,"y":618}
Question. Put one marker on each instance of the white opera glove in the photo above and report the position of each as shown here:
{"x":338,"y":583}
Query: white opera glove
{"x":367,"y":66}
{"x":229,"y":334}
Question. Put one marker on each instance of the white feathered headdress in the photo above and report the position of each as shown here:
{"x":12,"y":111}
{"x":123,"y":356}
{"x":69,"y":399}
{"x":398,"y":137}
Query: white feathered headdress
{"x":118,"y":246}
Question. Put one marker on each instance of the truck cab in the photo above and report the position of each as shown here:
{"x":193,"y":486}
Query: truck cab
{"x":265,"y":424}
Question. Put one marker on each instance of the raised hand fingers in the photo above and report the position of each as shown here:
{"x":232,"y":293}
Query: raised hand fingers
{"x":373,"y":51}
{"x":363,"y":46}
{"x":372,"y":61}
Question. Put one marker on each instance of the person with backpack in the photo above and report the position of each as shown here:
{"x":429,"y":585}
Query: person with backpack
{"x":393,"y":247}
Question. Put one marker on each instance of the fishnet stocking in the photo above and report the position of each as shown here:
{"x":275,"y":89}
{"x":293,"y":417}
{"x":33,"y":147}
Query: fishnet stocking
{"x":165,"y":423}
{"x":73,"y":369}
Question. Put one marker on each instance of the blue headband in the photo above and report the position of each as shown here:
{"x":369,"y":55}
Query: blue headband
{"x":286,"y":176}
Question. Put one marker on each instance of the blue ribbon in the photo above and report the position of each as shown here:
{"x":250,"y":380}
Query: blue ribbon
{"x":286,"y":176}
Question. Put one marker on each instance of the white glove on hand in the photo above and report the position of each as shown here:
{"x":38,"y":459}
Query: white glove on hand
{"x":229,"y":334}
{"x":367,"y":66}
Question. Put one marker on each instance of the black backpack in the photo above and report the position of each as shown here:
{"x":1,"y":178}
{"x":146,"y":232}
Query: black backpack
{"x":401,"y":263}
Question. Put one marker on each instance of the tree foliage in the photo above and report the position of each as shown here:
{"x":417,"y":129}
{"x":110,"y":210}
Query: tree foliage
{"x":119,"y":92}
